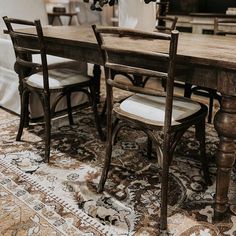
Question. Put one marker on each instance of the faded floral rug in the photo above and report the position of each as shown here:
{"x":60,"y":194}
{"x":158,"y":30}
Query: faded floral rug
{"x":60,"y":198}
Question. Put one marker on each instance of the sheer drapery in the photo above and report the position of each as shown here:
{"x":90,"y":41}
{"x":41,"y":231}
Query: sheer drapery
{"x":136,"y":14}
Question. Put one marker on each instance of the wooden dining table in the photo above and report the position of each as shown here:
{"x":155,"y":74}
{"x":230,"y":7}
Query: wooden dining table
{"x":212,"y":62}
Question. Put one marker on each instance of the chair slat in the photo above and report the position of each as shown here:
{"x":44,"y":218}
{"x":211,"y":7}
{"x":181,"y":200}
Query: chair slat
{"x":157,"y":55}
{"x":136,"y":71}
{"x":136,"y":89}
{"x":19,"y":21}
{"x":16,"y":34}
{"x":28,"y":63}
{"x":133,"y":33}
{"x":26,"y":50}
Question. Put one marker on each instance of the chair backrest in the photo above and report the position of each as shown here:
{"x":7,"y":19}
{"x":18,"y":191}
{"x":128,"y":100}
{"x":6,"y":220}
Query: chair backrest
{"x":224,"y":26}
{"x":168,"y":25}
{"x":22,"y":52}
{"x":114,"y":59}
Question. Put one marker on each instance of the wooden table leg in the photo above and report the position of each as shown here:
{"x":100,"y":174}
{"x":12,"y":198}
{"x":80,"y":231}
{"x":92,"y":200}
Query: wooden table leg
{"x":225,"y":124}
{"x":97,"y":78}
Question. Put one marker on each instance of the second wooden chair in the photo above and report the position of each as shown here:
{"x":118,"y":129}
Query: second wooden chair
{"x":149,"y":110}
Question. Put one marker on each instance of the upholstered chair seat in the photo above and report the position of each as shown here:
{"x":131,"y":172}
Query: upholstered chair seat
{"x":58,"y":78}
{"x":151,"y":109}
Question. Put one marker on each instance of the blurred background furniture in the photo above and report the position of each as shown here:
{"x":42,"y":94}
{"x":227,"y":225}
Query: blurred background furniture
{"x":59,"y":12}
{"x":85,"y":16}
{"x":56,"y":15}
{"x":224,"y":26}
{"x":9,"y":82}
{"x":198,"y":16}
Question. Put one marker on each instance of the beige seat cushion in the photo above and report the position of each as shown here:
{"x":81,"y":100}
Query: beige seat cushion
{"x":58,"y":78}
{"x":152,"y":108}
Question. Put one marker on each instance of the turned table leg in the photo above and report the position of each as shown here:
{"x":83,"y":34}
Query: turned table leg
{"x":225,"y":125}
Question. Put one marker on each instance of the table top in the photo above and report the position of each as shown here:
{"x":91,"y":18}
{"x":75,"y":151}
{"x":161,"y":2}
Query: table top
{"x":209,"y":50}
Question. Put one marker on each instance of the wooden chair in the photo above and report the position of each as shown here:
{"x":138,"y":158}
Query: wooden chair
{"x":36,"y":78}
{"x":219,"y":29}
{"x":147,"y":109}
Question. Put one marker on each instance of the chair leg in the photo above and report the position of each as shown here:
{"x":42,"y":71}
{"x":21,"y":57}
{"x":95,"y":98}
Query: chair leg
{"x":69,"y":109}
{"x":218,"y":97}
{"x":47,"y":118}
{"x":103,"y":113}
{"x":116,"y":127}
{"x":149,"y":148}
{"x":163,"y":84}
{"x":187,"y":90}
{"x":210,"y":109}
{"x":200,"y":135}
{"x":106,"y":167}
{"x":24,"y":113}
{"x":107,"y":161}
{"x":96,"y":116}
{"x":26,"y":124}
{"x":164,"y":187}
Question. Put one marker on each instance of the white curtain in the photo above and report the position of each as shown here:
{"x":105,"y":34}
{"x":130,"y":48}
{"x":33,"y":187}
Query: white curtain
{"x":137,"y":14}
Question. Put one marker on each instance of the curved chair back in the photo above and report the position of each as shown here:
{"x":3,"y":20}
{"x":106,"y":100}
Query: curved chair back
{"x":23,"y":51}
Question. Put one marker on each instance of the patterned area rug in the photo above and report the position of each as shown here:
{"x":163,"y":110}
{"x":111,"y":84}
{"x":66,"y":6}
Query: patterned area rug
{"x":60,"y":197}
{"x":27,"y":208}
